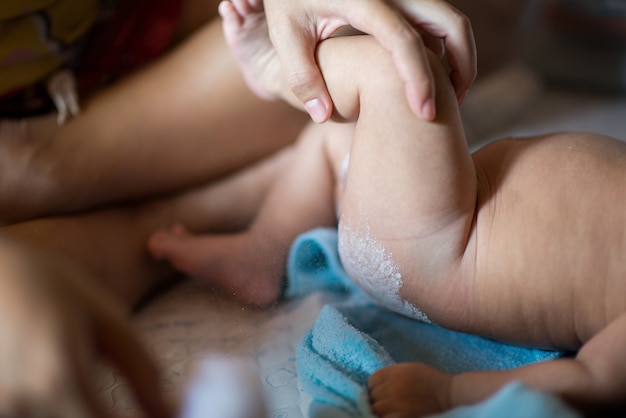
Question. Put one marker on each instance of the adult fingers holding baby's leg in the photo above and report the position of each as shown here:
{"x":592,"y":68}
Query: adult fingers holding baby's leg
{"x":396,"y":34}
{"x":297,"y":27}
{"x":438,"y":20}
{"x":295,"y":33}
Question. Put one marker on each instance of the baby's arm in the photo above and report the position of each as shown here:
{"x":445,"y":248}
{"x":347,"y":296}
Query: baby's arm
{"x":595,"y":379}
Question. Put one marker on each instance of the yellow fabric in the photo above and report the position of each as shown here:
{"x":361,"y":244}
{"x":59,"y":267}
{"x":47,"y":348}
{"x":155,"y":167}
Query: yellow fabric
{"x":35,"y":37}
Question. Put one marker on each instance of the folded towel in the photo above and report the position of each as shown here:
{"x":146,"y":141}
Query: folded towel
{"x":353,"y":337}
{"x":313,"y":264}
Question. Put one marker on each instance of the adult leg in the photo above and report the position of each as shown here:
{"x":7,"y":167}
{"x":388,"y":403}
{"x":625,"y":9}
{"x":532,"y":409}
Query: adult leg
{"x":109,"y":245}
{"x":172,"y":125}
{"x":69,"y":281}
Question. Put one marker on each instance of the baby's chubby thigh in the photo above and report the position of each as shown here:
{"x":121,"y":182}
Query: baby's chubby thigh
{"x":372,"y":266}
{"x":392,"y":274}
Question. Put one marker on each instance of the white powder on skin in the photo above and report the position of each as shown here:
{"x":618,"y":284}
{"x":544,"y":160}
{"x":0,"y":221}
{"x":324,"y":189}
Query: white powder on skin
{"x":372,"y":268}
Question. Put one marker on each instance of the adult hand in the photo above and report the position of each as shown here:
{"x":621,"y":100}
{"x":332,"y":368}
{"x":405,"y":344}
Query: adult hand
{"x":53,"y":326}
{"x":404,"y":27}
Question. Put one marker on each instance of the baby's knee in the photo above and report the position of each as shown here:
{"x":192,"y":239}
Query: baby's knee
{"x":376,"y":69}
{"x":377,"y":76}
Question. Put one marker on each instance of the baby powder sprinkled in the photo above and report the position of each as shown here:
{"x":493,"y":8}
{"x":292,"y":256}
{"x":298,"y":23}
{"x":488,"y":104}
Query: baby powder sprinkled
{"x":372,"y":268}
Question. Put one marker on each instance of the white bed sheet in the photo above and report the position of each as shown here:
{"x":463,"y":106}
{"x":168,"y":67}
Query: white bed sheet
{"x":187,"y":323}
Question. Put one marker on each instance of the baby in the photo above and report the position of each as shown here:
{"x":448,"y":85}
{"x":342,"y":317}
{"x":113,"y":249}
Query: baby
{"x":523,"y":241}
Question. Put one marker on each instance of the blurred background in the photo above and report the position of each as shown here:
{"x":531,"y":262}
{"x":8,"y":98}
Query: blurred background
{"x":547,"y":65}
{"x":576,"y":42}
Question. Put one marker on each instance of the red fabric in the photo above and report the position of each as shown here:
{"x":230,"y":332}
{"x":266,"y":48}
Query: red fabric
{"x":137,"y":33}
{"x":134,"y":33}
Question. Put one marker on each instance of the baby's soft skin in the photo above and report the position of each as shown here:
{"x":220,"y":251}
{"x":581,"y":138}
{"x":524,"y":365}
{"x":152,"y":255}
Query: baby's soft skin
{"x":542,"y":267}
{"x":522,"y":241}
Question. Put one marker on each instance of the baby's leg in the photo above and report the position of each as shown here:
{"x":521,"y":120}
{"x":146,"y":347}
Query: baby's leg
{"x":243,"y":265}
{"x":410,"y":195}
{"x":251,"y":264}
{"x":411,"y":187}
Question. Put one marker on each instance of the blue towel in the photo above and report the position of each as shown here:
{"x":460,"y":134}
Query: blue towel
{"x":353,"y":337}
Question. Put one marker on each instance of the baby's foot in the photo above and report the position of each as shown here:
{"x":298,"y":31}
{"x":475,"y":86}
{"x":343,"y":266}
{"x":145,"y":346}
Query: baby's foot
{"x":224,"y":261}
{"x":245,"y":29}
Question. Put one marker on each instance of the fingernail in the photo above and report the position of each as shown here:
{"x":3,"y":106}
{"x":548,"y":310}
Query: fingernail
{"x":428,"y":109}
{"x":316,"y":109}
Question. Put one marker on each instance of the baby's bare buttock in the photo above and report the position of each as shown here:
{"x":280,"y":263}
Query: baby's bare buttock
{"x":550,"y":238}
{"x":545,"y":262}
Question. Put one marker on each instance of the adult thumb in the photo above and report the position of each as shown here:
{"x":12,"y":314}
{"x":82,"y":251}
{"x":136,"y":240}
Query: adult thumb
{"x":296,"y":51}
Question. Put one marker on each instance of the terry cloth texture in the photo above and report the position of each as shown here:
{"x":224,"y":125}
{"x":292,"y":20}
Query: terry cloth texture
{"x":353,"y":337}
